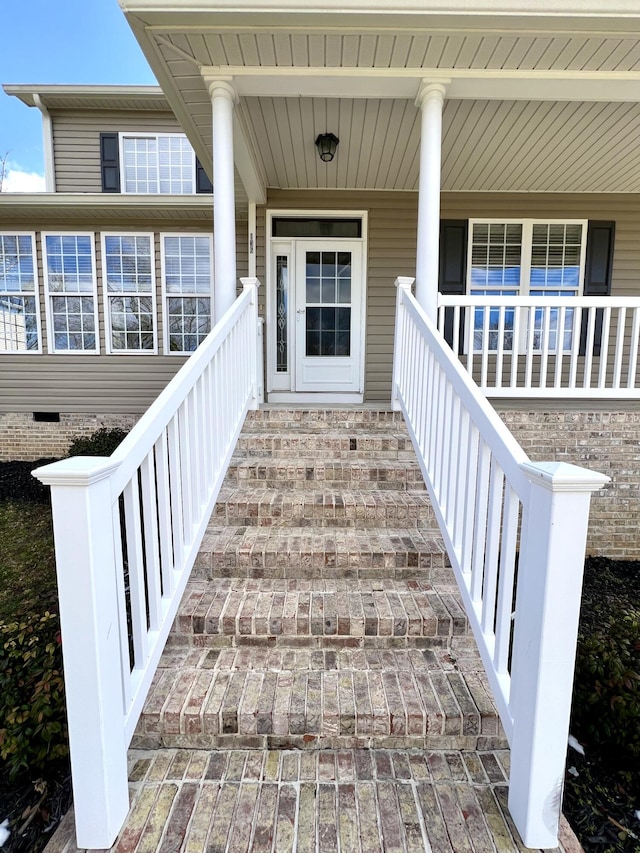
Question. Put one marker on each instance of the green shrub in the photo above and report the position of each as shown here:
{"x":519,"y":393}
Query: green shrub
{"x":33,"y":727}
{"x":606,"y":701}
{"x":101,"y":443}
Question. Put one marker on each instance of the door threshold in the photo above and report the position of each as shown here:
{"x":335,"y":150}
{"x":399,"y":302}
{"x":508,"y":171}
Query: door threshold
{"x":318,"y":397}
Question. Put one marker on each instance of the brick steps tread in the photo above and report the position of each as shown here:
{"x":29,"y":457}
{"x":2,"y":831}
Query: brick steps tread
{"x":374,"y":801}
{"x":323,"y":508}
{"x":321,"y":553}
{"x":348,"y":610}
{"x":321,"y":445}
{"x":321,"y":419}
{"x":299,"y":472}
{"x":317,"y":699}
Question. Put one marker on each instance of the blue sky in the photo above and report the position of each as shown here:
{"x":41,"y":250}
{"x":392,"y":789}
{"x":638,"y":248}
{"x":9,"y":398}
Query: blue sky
{"x":68,"y":41}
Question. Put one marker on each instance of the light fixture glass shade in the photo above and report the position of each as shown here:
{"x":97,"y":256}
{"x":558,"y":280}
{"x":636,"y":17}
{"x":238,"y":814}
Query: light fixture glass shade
{"x":326,"y":143}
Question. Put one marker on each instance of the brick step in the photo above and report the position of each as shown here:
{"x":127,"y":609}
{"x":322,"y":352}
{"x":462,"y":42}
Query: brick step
{"x":307,"y":420}
{"x":315,"y":699}
{"x":376,"y":801}
{"x":296,"y":472}
{"x":328,"y":508}
{"x":353,"y":613}
{"x":308,"y":552}
{"x":326,"y":445}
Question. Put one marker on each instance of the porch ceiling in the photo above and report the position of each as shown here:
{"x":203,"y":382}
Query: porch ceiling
{"x":573,"y":125}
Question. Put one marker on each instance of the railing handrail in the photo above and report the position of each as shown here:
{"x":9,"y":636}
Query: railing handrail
{"x":140,"y":516}
{"x":515,"y":531}
{"x":141,"y":438}
{"x":509,"y":453}
{"x":465,"y":300}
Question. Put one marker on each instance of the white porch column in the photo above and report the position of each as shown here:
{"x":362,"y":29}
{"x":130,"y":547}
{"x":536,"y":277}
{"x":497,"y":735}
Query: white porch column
{"x":430,"y":100}
{"x":223,"y":98}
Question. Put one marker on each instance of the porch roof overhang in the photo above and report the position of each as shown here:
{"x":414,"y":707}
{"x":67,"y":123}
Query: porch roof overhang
{"x":27,"y":210}
{"x":541,"y":97}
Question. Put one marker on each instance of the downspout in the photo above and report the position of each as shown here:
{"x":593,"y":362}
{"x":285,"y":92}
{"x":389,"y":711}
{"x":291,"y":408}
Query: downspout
{"x":47,"y":145}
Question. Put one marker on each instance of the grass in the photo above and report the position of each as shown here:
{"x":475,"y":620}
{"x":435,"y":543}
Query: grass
{"x":27,"y":565}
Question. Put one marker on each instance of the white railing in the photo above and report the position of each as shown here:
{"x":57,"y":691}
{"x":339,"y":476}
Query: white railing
{"x":127,"y":530}
{"x":515,"y":531}
{"x":551,"y":346}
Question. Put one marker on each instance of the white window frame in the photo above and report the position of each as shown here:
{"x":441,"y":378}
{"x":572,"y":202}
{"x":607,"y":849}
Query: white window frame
{"x":107,"y":295}
{"x":165,"y":295}
{"x":49,"y":294}
{"x":142,"y":135}
{"x":35,"y":293}
{"x":526,"y":248}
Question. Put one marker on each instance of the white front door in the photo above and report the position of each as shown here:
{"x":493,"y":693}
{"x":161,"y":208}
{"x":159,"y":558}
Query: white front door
{"x":327,"y":293}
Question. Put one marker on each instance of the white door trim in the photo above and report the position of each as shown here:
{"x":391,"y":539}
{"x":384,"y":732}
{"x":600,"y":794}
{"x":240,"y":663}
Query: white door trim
{"x":275,"y":390}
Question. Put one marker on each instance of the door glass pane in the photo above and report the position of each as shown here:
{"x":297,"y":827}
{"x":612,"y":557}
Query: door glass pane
{"x":282,"y":299}
{"x":328,"y":311}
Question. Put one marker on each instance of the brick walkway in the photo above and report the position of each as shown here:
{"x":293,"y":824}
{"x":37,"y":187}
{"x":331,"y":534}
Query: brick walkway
{"x":320,"y":690}
{"x":352,"y":801}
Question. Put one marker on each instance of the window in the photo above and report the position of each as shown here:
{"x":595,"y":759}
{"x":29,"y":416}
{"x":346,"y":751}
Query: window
{"x":186,"y":285}
{"x":158,"y":163}
{"x":129,"y":292}
{"x":523,"y":258}
{"x":71,"y":293}
{"x":19,"y":305}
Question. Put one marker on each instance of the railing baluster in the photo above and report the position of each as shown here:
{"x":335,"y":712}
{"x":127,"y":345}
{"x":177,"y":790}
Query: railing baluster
{"x":559,"y":347}
{"x":152,"y":555}
{"x":165,"y":523}
{"x":490,"y":584}
{"x":545,"y":334}
{"x":456,"y":329}
{"x":500,"y":352}
{"x":588,"y":361}
{"x":604,"y":347}
{"x":480,"y":521}
{"x":504,"y":611}
{"x":486,"y":317}
{"x":138,"y":596}
{"x":468,"y":493}
{"x":531,"y":317}
{"x":575,"y":340}
{"x":633,"y":349}
{"x":515,"y":345}
{"x":619,"y":355}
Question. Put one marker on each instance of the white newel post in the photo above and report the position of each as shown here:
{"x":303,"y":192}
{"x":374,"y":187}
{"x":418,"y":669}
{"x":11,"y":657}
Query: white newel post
{"x":544,"y":643}
{"x":252,"y":283}
{"x":430,"y":100}
{"x":223,"y":98}
{"x":403,"y":285}
{"x":87,"y":588}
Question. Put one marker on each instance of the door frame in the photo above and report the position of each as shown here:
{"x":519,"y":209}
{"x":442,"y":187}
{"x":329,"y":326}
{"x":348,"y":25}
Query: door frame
{"x":276,"y":393}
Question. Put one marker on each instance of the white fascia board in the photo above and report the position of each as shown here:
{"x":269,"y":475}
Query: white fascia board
{"x":519,"y":8}
{"x":461,"y":84}
{"x":106,"y":200}
{"x":47,"y":93}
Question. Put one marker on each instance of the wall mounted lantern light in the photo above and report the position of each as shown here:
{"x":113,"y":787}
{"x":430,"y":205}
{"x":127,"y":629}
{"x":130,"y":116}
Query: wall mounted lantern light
{"x":326,"y":143}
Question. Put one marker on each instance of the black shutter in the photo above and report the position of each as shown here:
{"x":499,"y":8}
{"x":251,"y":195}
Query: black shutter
{"x":110,"y":162}
{"x":203,"y":184}
{"x":597,"y":275}
{"x":453,"y":269}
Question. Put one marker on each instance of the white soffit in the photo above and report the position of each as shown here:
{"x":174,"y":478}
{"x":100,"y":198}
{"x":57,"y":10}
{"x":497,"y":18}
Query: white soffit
{"x":568,"y":98}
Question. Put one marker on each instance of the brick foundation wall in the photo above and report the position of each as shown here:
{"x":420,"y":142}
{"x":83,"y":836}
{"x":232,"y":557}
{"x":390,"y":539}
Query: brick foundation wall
{"x":608,"y":442}
{"x":23,"y":438}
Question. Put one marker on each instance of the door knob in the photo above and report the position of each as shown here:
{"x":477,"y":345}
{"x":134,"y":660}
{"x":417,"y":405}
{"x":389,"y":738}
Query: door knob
{"x":300,"y":311}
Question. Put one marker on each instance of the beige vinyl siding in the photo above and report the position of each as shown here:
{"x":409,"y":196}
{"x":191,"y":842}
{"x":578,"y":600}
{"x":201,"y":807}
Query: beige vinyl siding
{"x":101,"y":383}
{"x":76,"y":142}
{"x":392,"y":245}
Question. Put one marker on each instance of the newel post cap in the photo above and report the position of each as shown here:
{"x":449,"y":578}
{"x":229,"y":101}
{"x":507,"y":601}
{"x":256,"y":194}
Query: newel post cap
{"x":76,"y":471}
{"x":405,"y":282}
{"x":563,"y":477}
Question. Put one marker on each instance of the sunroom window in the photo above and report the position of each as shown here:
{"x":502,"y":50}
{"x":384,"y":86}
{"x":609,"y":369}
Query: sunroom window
{"x":186,"y":284}
{"x":129,"y":283}
{"x":71,"y":293}
{"x":158,"y":163}
{"x":525,"y":258}
{"x":19,"y":309}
